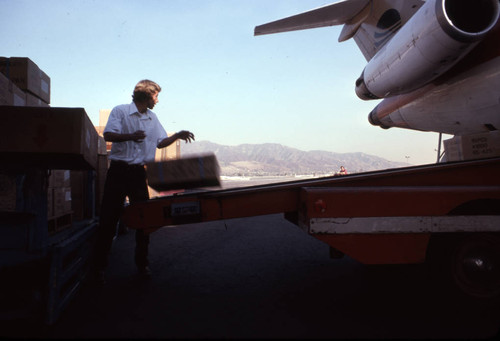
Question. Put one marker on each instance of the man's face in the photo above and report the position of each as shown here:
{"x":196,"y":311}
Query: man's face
{"x":153,"y":100}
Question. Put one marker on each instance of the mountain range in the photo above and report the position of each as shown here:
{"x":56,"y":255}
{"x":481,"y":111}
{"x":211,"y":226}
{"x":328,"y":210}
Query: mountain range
{"x":275,"y":159}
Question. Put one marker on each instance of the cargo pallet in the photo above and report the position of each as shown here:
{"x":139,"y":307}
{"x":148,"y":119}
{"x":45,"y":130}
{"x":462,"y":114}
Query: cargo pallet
{"x":68,"y":268}
{"x":58,"y":249}
{"x":59,"y":223}
{"x":44,"y":258}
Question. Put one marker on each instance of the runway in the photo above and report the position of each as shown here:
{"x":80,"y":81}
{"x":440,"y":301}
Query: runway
{"x":258,"y":277}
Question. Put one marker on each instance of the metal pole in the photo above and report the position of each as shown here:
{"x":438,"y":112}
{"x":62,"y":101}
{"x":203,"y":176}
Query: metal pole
{"x":439,"y":148}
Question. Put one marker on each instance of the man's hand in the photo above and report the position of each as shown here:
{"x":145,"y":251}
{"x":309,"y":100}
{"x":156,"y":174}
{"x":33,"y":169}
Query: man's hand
{"x":181,"y":135}
{"x":138,"y":136}
{"x":185,"y":135}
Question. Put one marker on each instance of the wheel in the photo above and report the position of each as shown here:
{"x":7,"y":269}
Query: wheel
{"x":469,"y":264}
{"x":476,"y":266}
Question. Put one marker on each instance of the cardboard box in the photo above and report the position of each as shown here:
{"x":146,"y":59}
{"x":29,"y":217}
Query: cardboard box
{"x":33,"y":101}
{"x":107,"y":146}
{"x":55,"y":138}
{"x":59,"y":178}
{"x":10,"y":94}
{"x":62,"y":200}
{"x":101,"y":146}
{"x":189,"y":172}
{"x":473,"y":146}
{"x":27,"y":76}
{"x":79,"y":203}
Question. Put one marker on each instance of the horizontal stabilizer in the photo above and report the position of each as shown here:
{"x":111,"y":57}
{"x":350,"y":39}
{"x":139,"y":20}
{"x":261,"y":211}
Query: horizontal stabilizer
{"x":334,"y":14}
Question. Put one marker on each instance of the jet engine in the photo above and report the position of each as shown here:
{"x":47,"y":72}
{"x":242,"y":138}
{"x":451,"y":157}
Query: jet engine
{"x":466,"y":104}
{"x":432,"y":41}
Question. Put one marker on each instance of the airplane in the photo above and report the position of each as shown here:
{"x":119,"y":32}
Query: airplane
{"x":434,"y":64}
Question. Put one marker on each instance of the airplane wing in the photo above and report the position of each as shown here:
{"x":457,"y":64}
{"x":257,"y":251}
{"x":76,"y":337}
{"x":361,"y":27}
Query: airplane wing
{"x":334,"y":14}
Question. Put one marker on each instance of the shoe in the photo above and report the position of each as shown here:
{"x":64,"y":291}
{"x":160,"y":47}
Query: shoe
{"x":144,"y":272}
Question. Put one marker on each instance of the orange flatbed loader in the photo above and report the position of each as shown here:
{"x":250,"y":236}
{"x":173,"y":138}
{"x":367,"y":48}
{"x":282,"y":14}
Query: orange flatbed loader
{"x":446,"y":212}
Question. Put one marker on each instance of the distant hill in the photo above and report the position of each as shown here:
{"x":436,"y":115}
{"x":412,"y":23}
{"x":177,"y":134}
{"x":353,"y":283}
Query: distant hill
{"x":276,"y":159}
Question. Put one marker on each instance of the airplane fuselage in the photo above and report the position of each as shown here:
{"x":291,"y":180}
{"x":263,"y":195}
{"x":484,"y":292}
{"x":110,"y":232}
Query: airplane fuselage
{"x":434,"y":64}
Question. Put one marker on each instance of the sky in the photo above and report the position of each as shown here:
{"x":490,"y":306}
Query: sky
{"x":218,"y":80}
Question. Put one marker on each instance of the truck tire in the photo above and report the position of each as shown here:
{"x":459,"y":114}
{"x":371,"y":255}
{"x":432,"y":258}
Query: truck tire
{"x":476,"y":266}
{"x":468,"y":264}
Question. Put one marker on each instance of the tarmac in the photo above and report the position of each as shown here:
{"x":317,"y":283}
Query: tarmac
{"x":257,"y":278}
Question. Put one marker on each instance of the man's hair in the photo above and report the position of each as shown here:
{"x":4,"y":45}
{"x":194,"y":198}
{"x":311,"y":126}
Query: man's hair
{"x":144,"y":90}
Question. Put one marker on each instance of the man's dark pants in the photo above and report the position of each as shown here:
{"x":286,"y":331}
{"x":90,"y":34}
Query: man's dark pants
{"x":122,"y":180}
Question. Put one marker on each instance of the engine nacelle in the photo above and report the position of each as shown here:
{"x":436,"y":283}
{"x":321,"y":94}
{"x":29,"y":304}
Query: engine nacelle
{"x":466,"y":104}
{"x":438,"y":35}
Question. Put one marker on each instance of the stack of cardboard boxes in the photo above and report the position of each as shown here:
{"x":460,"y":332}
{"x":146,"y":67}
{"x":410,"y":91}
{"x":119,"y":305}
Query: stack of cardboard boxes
{"x":59,"y":193}
{"x":473,"y":146}
{"x":62,"y":140}
{"x":53,"y":138}
{"x":23,"y":83}
{"x":65,"y":142}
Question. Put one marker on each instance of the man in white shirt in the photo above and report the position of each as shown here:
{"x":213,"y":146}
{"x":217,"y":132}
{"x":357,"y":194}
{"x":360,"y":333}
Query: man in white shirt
{"x":135,"y":132}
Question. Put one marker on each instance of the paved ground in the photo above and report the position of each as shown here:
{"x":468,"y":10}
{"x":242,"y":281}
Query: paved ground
{"x":259,"y":277}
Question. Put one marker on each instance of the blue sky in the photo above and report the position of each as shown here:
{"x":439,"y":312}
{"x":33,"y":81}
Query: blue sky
{"x":218,"y":80}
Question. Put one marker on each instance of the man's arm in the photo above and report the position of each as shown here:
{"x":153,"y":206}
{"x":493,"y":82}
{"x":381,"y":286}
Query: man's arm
{"x":182,"y":135}
{"x":137,"y":136}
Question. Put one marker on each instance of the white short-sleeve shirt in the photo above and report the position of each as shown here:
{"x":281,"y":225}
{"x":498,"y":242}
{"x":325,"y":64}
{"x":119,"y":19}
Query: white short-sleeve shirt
{"x":125,"y":119}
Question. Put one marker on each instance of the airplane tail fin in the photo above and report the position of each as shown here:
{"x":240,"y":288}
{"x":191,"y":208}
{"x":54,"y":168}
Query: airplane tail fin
{"x":371,"y":23}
